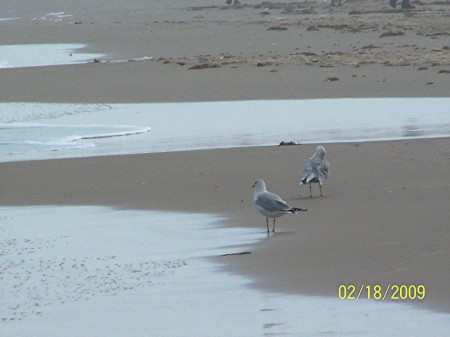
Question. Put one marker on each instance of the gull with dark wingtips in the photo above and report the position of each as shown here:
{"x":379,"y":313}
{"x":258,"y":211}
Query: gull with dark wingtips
{"x":269,"y":204}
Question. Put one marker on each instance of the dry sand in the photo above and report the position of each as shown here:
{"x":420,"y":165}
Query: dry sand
{"x":385,"y":215}
{"x":294,"y":50}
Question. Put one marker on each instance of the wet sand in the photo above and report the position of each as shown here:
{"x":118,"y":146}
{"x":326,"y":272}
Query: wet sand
{"x":83,"y":264}
{"x":384,"y":217}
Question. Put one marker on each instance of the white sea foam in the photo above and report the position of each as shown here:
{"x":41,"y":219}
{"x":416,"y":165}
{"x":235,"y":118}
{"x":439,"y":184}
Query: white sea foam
{"x":9,"y":19}
{"x":54,"y":16}
{"x":24,"y":139}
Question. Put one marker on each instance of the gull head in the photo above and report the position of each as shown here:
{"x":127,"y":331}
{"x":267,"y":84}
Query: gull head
{"x":320,"y":153}
{"x":259,"y":185}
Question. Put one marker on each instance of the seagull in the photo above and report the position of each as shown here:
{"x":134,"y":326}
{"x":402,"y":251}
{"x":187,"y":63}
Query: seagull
{"x":270,"y":204}
{"x":316,"y":170}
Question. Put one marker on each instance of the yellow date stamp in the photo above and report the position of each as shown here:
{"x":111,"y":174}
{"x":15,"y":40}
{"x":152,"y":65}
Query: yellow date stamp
{"x":377,"y":292}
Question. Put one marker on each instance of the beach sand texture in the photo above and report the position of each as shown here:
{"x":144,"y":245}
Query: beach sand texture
{"x":384,"y":217}
{"x":293,"y":50}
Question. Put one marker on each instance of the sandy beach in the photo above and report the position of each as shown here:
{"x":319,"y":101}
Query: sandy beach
{"x":381,"y":220}
{"x":384,"y":217}
{"x":291,"y":51}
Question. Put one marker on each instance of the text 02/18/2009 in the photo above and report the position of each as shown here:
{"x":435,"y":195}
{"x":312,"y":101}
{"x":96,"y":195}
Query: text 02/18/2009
{"x":377,"y":292}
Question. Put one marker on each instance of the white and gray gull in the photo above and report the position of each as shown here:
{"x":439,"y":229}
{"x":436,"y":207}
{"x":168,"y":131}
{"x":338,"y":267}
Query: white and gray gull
{"x":269,"y":204}
{"x":316,"y":170}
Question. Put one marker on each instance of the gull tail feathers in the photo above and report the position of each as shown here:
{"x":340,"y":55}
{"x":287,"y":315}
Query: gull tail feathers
{"x":295,"y":210}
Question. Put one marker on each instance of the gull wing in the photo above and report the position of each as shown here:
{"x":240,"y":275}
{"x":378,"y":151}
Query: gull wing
{"x":272,"y":202}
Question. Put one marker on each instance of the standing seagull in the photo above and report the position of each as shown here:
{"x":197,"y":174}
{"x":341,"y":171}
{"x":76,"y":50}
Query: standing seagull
{"x":270,"y":204}
{"x":316,"y":170}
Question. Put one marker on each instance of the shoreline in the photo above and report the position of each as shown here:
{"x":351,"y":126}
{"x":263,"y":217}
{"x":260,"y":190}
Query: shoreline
{"x":369,"y":219}
{"x":384,"y":215}
{"x":212,"y":125}
{"x":79,"y":247}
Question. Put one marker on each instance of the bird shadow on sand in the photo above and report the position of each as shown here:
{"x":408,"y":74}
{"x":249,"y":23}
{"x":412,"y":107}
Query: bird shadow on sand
{"x":301,"y":197}
{"x":278,"y":233}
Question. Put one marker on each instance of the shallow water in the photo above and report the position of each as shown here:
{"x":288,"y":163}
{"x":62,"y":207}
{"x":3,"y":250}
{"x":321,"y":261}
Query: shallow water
{"x":203,"y":125}
{"x":22,"y":138}
{"x":96,"y":271}
{"x":36,"y":55}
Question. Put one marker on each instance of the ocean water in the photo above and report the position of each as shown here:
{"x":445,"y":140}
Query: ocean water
{"x":43,"y":131}
{"x":37,"y":55}
{"x":20,"y":139}
{"x":97,"y":271}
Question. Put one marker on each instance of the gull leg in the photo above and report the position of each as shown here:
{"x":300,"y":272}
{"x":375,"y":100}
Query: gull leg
{"x":273,"y":229}
{"x":320,"y":186}
{"x":310,"y":192}
{"x":267,"y":223}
